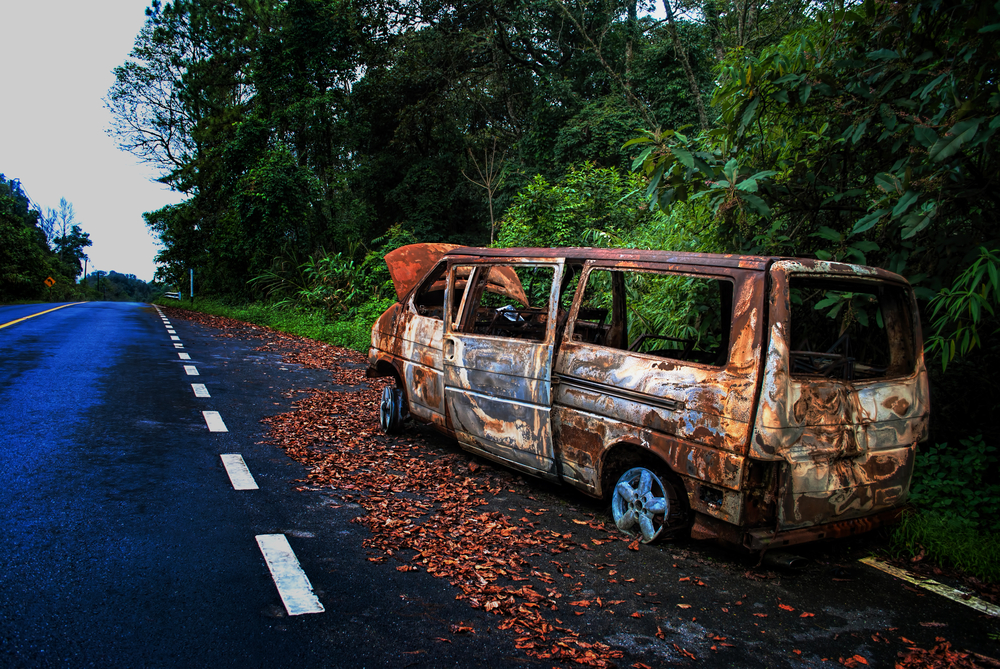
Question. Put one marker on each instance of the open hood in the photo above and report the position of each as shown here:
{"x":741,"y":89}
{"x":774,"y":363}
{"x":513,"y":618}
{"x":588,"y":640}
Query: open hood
{"x":409,"y":264}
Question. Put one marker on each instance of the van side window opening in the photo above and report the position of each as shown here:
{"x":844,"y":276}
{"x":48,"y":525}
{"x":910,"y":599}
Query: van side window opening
{"x":849,"y":329}
{"x":506,"y":301}
{"x":656,"y":313}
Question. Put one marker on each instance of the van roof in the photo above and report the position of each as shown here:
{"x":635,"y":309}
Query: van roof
{"x":408,"y":264}
{"x":642,"y":256}
{"x":627,"y":255}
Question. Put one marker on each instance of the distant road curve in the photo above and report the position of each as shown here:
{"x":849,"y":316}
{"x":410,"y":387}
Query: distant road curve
{"x":16,"y":313}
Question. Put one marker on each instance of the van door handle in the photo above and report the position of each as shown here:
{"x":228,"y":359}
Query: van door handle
{"x":449,"y":349}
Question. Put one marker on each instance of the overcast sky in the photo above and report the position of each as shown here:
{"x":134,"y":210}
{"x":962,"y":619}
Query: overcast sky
{"x":57,"y":57}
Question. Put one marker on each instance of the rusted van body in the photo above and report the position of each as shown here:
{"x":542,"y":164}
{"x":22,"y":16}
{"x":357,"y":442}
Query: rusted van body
{"x":760,"y":401}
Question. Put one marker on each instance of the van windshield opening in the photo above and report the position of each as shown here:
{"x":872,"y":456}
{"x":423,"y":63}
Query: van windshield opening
{"x":849,"y":329}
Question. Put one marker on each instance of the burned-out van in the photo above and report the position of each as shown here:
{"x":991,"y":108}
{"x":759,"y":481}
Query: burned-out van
{"x":760,"y":401}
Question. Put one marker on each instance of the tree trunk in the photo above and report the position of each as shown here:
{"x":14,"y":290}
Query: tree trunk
{"x":682,"y":54}
{"x":711,"y":13}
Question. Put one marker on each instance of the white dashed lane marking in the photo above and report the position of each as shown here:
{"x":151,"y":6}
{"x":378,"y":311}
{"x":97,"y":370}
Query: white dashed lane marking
{"x":291,"y":581}
{"x":214,"y":421}
{"x":293,"y":585}
{"x":239,"y":473}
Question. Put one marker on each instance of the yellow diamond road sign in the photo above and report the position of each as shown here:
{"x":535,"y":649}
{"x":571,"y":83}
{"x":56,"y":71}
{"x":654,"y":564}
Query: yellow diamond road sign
{"x":50,"y":282}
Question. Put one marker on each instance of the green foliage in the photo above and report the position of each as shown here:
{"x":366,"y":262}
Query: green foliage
{"x":324,"y":281}
{"x":352,"y":332}
{"x":26,"y":260}
{"x":867,"y":134}
{"x":587,"y":198}
{"x":959,"y":311}
{"x":950,"y":542}
{"x":956,"y":497}
{"x":69,"y":249}
{"x":303,"y":125}
{"x":118,"y":287}
{"x":334,"y":283}
{"x":959,"y":483}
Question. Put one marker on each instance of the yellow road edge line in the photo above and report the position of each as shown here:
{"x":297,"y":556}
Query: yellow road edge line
{"x":935,"y":587}
{"x":18,"y":320}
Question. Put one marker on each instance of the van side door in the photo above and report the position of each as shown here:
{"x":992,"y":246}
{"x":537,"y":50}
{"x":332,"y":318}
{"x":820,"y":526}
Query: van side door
{"x":498,"y":350}
{"x":665,"y":357}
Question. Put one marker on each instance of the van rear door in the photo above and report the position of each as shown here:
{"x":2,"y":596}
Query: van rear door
{"x":844,"y":399}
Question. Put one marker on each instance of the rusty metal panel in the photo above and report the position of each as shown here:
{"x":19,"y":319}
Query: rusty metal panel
{"x":498,"y":397}
{"x":844,"y":488}
{"x":849,"y":445}
{"x":409,"y":264}
{"x":420,"y":350}
{"x":762,"y":539}
{"x":510,"y":431}
{"x":497,"y":388}
{"x":621,"y":257}
{"x":504,"y":368}
{"x":583,"y":439}
{"x":411,"y":344}
{"x":702,"y":403}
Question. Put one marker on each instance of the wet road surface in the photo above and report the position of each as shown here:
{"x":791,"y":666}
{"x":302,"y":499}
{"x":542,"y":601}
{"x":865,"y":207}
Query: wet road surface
{"x":125,"y":543}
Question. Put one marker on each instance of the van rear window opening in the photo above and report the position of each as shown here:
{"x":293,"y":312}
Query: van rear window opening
{"x":843,"y":329}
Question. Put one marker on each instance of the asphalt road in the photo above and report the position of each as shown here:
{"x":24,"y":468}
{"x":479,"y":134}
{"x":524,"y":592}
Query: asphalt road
{"x":125,"y":543}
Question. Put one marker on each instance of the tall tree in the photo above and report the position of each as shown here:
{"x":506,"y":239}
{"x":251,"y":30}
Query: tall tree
{"x":25,"y":258}
{"x":69,"y":247}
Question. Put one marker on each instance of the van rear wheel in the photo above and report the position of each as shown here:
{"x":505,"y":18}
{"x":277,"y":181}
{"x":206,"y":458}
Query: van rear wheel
{"x":641,"y":503}
{"x":390,"y":410}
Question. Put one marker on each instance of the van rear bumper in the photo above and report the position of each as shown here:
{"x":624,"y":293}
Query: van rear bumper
{"x":762,"y":539}
{"x":707,"y":527}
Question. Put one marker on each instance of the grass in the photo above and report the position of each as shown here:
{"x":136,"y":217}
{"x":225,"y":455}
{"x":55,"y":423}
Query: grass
{"x":353,"y":332}
{"x":949,"y":541}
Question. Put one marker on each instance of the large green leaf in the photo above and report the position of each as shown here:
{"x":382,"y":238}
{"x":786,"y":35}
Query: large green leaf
{"x":926,"y":136}
{"x":904,"y":203}
{"x":949,"y":145}
{"x":868,"y":221}
{"x":683,"y":155}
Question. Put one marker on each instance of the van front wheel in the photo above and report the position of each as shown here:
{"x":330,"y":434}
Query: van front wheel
{"x":390,"y":410}
{"x":641,"y":503}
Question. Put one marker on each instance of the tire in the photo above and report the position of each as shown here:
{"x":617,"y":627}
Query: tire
{"x":390,"y":410}
{"x":641,"y":503}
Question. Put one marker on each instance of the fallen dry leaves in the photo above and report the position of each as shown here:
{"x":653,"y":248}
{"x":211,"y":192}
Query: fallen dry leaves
{"x":424,"y":509}
{"x":941,"y":656}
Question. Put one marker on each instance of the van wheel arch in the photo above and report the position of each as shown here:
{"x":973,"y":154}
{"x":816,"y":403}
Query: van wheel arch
{"x":628,"y":458}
